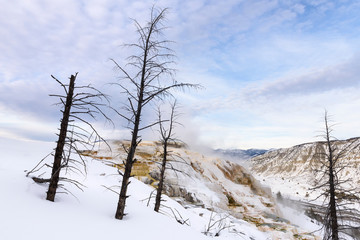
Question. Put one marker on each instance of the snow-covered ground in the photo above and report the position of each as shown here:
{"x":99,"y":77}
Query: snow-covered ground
{"x":25,"y":214}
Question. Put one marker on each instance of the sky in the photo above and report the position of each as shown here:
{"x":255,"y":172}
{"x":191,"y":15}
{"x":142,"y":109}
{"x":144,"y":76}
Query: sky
{"x":269,"y":69}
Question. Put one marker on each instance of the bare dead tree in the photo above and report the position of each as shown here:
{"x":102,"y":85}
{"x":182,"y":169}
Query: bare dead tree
{"x":78,"y":102}
{"x":331,"y":221}
{"x":147,"y":76}
{"x":166,"y":137}
{"x":336,"y":220}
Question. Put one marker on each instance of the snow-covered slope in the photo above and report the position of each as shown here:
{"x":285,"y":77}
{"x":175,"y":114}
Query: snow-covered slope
{"x":212,"y":189}
{"x":240,"y":154}
{"x":210,"y":183}
{"x":292,"y":170}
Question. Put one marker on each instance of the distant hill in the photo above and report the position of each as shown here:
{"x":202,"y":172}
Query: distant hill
{"x":241,"y":154}
{"x":296,"y":166}
{"x":299,"y":160}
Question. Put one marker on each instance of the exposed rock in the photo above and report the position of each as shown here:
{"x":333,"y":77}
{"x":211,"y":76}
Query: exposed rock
{"x":155,"y":174}
{"x":146,"y":180}
{"x":207,"y":182}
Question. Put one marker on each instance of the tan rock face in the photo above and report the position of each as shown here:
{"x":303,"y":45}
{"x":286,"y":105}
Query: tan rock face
{"x":204,"y":181}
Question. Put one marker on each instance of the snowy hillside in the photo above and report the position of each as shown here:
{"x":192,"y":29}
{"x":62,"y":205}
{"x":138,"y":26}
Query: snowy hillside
{"x":294,"y":172}
{"x":240,"y":154}
{"x":211,"y":191}
{"x":291,"y":170}
{"x":213,"y":184}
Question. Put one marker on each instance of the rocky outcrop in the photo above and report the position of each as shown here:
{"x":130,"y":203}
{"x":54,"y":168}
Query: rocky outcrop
{"x":196,"y":180}
{"x":302,"y":160}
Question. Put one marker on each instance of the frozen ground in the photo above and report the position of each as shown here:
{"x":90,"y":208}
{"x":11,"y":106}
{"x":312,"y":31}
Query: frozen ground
{"x":25,"y":214}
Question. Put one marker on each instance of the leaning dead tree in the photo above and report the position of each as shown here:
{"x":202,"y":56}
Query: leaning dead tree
{"x":147,"y":76}
{"x":76,"y":133}
{"x":333,"y":185}
{"x":166,"y":138}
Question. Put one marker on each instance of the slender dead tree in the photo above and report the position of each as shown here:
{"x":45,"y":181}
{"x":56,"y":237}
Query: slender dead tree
{"x":331,"y":221}
{"x":78,"y":102}
{"x":55,"y":174}
{"x":166,"y":137}
{"x":147,"y":76}
{"x":330,"y":182}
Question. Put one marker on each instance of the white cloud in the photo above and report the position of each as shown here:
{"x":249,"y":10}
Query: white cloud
{"x":281,"y":112}
{"x":299,"y":8}
{"x":281,"y":122}
{"x":273,"y":60}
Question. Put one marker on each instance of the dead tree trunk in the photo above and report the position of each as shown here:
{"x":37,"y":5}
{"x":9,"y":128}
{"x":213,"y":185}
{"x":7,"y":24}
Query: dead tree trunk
{"x":76,"y":102}
{"x":166,"y":135}
{"x":147,"y":83}
{"x":54,"y":180}
{"x":332,"y":211}
{"x":128,"y":164}
{"x":134,"y":140}
{"x":160,"y":186}
{"x":333,"y":185}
